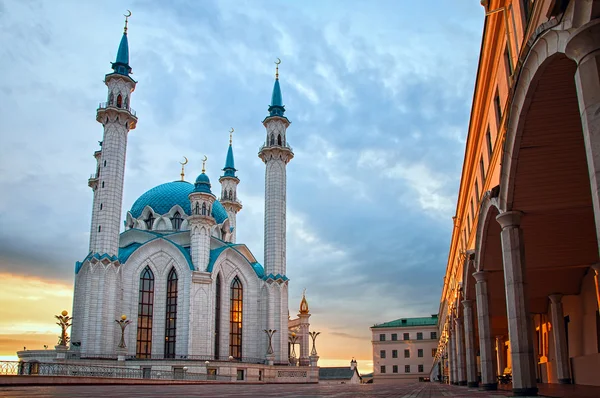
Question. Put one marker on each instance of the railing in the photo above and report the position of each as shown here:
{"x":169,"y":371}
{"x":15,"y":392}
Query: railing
{"x":228,"y":199}
{"x":104,"y":105}
{"x":265,"y":145}
{"x":205,"y":358}
{"x":34,"y":368}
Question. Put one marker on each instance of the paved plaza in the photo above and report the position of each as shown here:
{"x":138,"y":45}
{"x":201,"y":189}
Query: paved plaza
{"x":413,"y":390}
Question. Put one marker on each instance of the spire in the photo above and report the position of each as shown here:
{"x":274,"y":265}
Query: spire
{"x":304,"y":304}
{"x":121,"y":65}
{"x":229,"y":168}
{"x":276,"y":108}
{"x":202,"y":182}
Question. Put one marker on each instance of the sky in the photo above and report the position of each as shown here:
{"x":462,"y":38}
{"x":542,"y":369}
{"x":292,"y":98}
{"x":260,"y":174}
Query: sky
{"x":379,"y":96}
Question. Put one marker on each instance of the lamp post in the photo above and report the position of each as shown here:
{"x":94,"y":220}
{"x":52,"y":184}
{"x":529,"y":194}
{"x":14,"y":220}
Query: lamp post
{"x":64,"y":321}
{"x":293,"y":340}
{"x":270,"y":334}
{"x":314,"y":358}
{"x":123,"y":322}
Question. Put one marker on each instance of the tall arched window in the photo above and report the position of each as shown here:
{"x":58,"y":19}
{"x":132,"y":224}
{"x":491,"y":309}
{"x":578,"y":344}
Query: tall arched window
{"x":145,"y":309}
{"x":149,"y":221}
{"x":176,"y":221}
{"x":217,"y":315}
{"x":235,"y":319}
{"x":126,"y":103}
{"x":279,"y":139}
{"x":203,"y":208}
{"x":272,"y":139}
{"x":230,"y":194}
{"x":197,"y":208}
{"x":171,"y":317}
{"x":119,"y":101}
{"x":111,"y":99}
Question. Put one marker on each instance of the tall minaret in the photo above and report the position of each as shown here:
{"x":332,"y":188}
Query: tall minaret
{"x":201,"y":220}
{"x":229,"y":183}
{"x":117,"y":118}
{"x":276,"y":153}
{"x":96,"y":299}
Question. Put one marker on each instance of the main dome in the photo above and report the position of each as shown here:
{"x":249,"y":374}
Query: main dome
{"x":162,"y":198}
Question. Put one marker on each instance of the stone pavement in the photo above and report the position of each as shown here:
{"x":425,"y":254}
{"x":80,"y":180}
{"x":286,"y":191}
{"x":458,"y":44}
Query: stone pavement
{"x":413,"y":390}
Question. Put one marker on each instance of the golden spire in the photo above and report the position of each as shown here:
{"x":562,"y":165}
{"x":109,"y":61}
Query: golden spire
{"x":126,"y":17}
{"x":182,"y":167}
{"x":204,"y":164}
{"x":304,"y":303}
{"x":277,"y":68}
{"x":231,"y":136}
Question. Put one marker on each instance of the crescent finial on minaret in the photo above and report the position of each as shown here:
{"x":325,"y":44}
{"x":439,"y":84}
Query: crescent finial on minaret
{"x":182,"y":167}
{"x":204,"y":163}
{"x":277,"y":68}
{"x":231,"y":135}
{"x":126,"y":18}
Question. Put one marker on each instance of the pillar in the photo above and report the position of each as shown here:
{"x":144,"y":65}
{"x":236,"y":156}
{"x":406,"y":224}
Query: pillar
{"x":500,"y":355}
{"x":452,"y":355}
{"x":486,"y":350}
{"x":560,"y":339}
{"x":517,"y":304}
{"x":461,"y":371}
{"x":584,"y":48}
{"x":470,"y":357}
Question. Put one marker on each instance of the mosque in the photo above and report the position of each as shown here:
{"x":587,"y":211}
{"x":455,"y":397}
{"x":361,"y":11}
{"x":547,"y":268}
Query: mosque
{"x":186,"y":288}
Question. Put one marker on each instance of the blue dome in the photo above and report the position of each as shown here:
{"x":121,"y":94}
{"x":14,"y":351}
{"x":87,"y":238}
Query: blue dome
{"x":202,"y":184}
{"x":202,"y":178}
{"x":163,"y":197}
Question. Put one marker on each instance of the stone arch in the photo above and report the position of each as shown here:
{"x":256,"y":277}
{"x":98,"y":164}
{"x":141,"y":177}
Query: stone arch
{"x":488,"y":211}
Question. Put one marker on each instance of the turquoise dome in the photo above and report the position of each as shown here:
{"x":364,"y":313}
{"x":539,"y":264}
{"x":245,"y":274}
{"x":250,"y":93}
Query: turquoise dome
{"x":202,"y":184}
{"x":163,"y":197}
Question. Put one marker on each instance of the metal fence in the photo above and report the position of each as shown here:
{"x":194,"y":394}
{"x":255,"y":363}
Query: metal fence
{"x":34,"y":368}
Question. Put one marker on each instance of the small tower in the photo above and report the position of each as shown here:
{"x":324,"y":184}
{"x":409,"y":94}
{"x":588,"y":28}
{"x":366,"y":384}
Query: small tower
{"x":276,"y":153}
{"x":201,"y":221}
{"x":303,"y":315}
{"x":229,"y":183}
{"x":117,"y":118}
{"x":353,"y":364}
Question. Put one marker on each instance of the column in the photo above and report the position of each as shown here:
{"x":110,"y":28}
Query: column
{"x":460,"y":353}
{"x":500,"y":355}
{"x":560,"y":339}
{"x":486,"y":350}
{"x":584,"y":48}
{"x":452,"y":355}
{"x":517,"y":304}
{"x":471,"y":360}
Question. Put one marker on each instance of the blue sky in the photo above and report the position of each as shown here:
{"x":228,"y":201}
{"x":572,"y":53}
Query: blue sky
{"x":378,"y":93}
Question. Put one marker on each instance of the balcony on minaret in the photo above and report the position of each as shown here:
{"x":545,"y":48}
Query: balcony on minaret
{"x":106,"y":105}
{"x":93,"y":181}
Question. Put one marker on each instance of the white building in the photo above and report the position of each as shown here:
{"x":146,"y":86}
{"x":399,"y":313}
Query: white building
{"x":404,"y":349}
{"x":340,"y":374}
{"x":190,"y":290}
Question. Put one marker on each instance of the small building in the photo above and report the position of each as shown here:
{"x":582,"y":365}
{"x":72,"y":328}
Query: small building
{"x":404,"y":349}
{"x":340,"y":374}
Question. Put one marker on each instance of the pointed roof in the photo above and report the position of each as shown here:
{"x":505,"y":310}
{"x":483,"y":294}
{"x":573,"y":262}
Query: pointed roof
{"x":121,"y":65}
{"x":229,"y":168}
{"x":276,"y":108}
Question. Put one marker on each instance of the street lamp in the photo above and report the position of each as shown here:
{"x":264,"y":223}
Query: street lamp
{"x":270,"y":334}
{"x":314,"y":335}
{"x":64,"y":322}
{"x":123,"y":322}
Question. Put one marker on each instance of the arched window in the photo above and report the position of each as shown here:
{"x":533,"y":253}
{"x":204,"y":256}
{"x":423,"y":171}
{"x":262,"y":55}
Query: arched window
{"x":145,"y":308}
{"x":217,"y":315}
{"x":203,"y":208}
{"x":102,"y":184}
{"x":279,"y":139}
{"x":272,"y":139}
{"x":235,"y":319}
{"x":171,"y":317}
{"x":111,"y":99}
{"x":149,"y":221}
{"x":126,"y":103}
{"x":230,"y":194}
{"x":197,"y":208}
{"x":100,"y":206}
{"x":99,"y":228}
{"x":119,"y":101}
{"x":176,"y":221}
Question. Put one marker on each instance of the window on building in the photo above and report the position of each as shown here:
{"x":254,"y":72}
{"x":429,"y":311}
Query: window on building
{"x":100,"y":206}
{"x":235,"y":331}
{"x":217,"y":315}
{"x":433,"y":335}
{"x":488,"y":139}
{"x":99,"y":228}
{"x":477,"y":197}
{"x":382,"y":369}
{"x":472,"y":210}
{"x":149,"y":221}
{"x":145,"y":310}
{"x":176,"y":221}
{"x":420,"y":368}
{"x":419,"y":336}
{"x":406,"y":368}
{"x":240,"y":374}
{"x":279,"y":139}
{"x":420,"y":353}
{"x":119,"y":100}
{"x":203,"y":208}
{"x":382,"y":354}
{"x":406,"y":353}
{"x":433,"y":352}
{"x":102,"y":184}
{"x":394,"y":353}
{"x":482,"y":170}
{"x":498,"y":109}
{"x":197,"y":208}
{"x":382,"y":337}
{"x":394,"y":336}
{"x":171,"y":317}
{"x":406,"y":336}
{"x":395,"y":369}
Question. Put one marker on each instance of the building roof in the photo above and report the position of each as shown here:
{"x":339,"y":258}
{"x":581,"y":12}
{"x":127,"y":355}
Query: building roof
{"x":162,"y":198}
{"x":337,"y":373}
{"x":229,"y":168}
{"x":121,"y":65}
{"x":407,"y":322}
{"x":202,"y":184}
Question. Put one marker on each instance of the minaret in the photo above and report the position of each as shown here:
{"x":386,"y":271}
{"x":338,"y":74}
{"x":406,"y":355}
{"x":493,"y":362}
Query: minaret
{"x":303,"y":315}
{"x":117,"y":118}
{"x":229,"y":183}
{"x":276,"y":153}
{"x":96,"y":299}
{"x":201,"y":220}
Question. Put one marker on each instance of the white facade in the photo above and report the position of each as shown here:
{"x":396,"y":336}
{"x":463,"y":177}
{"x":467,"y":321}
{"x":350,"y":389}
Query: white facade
{"x":404,"y":349}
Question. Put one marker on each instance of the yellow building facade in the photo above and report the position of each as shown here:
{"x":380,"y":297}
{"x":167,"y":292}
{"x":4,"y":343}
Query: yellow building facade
{"x":520,"y":298}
